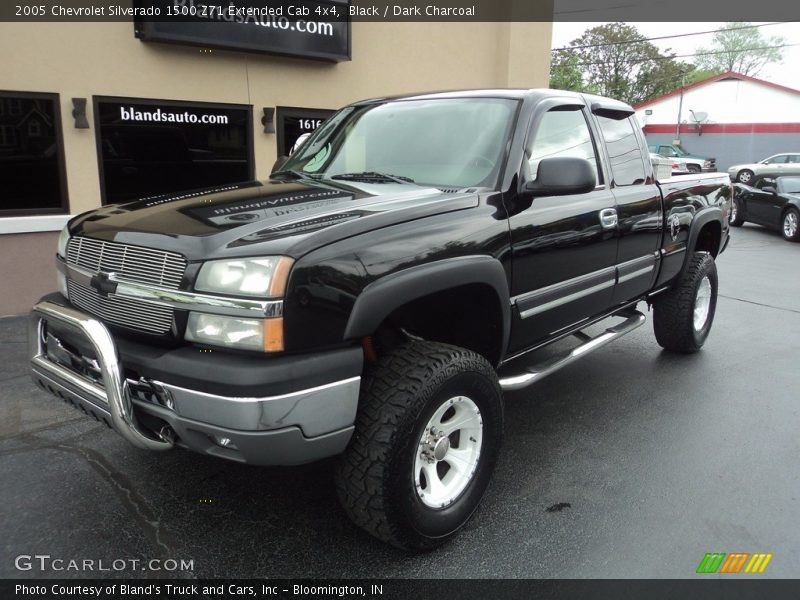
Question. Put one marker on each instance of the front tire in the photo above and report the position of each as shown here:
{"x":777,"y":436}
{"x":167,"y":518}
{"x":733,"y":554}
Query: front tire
{"x":428,"y":434}
{"x":682,"y":316}
{"x":745,"y":176}
{"x":790,"y":225}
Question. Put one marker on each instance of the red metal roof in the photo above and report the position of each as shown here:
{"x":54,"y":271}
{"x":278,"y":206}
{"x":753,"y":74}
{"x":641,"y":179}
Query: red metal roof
{"x":714,"y":79}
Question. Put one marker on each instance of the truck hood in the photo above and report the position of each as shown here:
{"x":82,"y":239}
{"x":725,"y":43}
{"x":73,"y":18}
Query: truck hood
{"x":265,"y":217}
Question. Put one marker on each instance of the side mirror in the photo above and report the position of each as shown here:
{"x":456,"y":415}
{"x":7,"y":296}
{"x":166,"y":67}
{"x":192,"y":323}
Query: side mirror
{"x":562,"y":176}
{"x":769,"y":189}
{"x":278,"y":165}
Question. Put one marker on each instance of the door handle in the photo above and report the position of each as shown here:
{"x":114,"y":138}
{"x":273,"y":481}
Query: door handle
{"x":608,"y":218}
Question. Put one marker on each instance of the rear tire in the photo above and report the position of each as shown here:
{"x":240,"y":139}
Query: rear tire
{"x":682,"y":316}
{"x":790,"y":225}
{"x":736,"y":219}
{"x":381,"y":479}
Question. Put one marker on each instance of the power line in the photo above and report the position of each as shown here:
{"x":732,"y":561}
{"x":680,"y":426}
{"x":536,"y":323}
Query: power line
{"x":711,"y":53}
{"x":666,"y":37}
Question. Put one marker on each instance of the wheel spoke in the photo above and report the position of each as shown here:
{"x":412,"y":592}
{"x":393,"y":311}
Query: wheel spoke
{"x":434,"y":486}
{"x":462,"y":420}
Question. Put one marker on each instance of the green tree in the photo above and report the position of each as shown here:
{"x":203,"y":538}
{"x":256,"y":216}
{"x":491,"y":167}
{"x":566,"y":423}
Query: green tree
{"x":617,"y":61}
{"x":565,"y":71}
{"x":740,"y":48}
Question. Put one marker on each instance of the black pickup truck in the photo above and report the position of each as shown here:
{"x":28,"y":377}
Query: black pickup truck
{"x":376,"y":296}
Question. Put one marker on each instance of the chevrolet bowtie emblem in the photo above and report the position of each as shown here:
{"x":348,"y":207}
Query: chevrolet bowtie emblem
{"x":103,"y":284}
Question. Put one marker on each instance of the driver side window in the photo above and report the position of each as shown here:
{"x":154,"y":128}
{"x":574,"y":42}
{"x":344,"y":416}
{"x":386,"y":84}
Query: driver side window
{"x":562,"y":133}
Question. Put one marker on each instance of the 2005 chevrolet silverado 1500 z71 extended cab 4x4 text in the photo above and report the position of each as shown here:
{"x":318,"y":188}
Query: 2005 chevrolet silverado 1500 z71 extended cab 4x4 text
{"x":374,"y":298}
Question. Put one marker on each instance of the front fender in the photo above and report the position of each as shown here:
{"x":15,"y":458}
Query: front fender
{"x":382,"y":297}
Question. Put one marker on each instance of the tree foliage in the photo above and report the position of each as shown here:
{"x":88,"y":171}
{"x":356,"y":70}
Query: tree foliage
{"x":745,"y":51}
{"x":616,"y":60}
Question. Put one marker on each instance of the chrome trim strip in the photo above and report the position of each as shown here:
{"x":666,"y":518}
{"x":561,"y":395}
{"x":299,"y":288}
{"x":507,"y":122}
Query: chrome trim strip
{"x":641,"y":259}
{"x":610,"y":271}
{"x":319,"y":388}
{"x":636,"y":274}
{"x":179,"y":299}
{"x":565,"y":299}
{"x":671,"y":252}
{"x":317,"y":411}
{"x":113,"y":394}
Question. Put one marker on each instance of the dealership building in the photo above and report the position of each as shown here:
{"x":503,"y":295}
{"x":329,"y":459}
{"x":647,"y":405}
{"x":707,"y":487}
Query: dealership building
{"x":104,"y":112}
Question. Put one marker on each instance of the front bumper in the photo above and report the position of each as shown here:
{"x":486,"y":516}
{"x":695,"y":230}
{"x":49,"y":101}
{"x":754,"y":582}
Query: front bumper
{"x":158,"y":398}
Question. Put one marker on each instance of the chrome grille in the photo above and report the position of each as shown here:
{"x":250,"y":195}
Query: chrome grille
{"x":134,"y":263}
{"x":121,"y":311}
{"x":130,"y":263}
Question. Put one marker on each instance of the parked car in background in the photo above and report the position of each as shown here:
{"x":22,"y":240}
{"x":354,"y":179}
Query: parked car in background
{"x":676,"y":167}
{"x":693,"y":163}
{"x":787,"y":163}
{"x":771,"y":202}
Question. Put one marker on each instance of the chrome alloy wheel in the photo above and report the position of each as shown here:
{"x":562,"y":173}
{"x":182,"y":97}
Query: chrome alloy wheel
{"x":448,"y":452}
{"x":790,"y":224}
{"x":702,"y":303}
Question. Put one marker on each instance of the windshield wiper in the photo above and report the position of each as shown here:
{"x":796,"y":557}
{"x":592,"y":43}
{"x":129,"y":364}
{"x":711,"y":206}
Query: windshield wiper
{"x":373,"y":176}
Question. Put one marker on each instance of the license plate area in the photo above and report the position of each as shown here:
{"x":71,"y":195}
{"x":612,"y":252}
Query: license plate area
{"x":67,"y":355}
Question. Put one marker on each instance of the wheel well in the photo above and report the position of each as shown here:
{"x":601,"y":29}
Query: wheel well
{"x":708,"y":239}
{"x":468,"y":316}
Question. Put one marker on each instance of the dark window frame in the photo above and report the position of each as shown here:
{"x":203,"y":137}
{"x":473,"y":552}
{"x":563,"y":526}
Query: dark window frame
{"x":63,"y":208}
{"x":300,"y":112}
{"x":164,"y":103}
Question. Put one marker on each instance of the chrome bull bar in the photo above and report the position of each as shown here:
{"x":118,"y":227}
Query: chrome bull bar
{"x":112,"y":397}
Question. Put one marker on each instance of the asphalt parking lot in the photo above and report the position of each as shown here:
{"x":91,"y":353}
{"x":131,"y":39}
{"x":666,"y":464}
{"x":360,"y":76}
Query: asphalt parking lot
{"x":645,"y":460}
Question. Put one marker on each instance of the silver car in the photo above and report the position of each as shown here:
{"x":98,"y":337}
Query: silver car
{"x":787,"y":163}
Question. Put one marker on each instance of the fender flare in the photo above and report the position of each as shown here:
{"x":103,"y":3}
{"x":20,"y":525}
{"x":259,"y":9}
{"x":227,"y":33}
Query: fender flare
{"x":702,"y":218}
{"x":382,"y":297}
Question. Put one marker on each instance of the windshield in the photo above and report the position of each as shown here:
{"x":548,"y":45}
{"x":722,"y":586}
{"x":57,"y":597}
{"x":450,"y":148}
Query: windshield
{"x":453,"y":142}
{"x":790,"y":185}
{"x":680,"y":151}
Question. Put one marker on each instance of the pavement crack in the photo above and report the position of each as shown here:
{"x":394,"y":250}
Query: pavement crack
{"x":20,"y":376}
{"x":792,"y":310}
{"x":136,"y":506}
{"x":31,"y":432}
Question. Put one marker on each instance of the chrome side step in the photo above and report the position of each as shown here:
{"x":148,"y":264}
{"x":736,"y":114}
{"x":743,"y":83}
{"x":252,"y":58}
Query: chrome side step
{"x":536,"y":372}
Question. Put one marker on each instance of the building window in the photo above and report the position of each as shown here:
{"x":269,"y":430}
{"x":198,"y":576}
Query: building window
{"x":8,"y":135}
{"x":34,"y":128}
{"x":152,"y":147}
{"x":31,"y":155}
{"x":15,"y":107}
{"x":296,"y":124}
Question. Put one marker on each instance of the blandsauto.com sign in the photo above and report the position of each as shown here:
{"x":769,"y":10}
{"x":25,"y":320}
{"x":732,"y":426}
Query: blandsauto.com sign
{"x":305,"y":33}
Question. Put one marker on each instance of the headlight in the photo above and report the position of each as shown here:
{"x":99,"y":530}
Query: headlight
{"x":264,"y":335}
{"x":261,"y":277}
{"x":62,"y":242}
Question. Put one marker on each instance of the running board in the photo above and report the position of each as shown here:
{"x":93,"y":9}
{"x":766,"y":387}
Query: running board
{"x":536,"y":372}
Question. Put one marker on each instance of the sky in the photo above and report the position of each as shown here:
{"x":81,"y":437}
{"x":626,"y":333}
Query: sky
{"x":787,"y":73}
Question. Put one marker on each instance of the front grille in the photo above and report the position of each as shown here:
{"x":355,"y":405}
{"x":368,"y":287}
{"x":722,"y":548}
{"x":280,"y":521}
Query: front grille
{"x":134,"y":263}
{"x":121,"y":311}
{"x":130,"y":263}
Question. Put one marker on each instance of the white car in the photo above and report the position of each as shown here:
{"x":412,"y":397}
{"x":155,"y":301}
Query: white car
{"x":787,"y":163}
